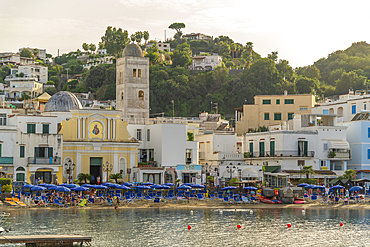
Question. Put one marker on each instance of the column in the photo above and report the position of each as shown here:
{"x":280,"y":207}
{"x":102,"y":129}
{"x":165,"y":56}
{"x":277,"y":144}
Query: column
{"x":115,"y":163}
{"x":108,"y":132}
{"x":83,"y":127}
{"x":345,"y":165}
{"x":114,"y":129}
{"x":78,"y":164}
{"x":79,"y":128}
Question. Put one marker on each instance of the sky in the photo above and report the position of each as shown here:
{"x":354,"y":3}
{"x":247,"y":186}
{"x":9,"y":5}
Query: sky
{"x":300,"y":31}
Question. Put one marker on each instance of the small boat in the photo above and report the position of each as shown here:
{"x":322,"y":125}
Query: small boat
{"x":269,"y":201}
{"x":299,"y":201}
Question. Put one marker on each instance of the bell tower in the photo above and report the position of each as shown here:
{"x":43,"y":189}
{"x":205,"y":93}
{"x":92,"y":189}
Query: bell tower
{"x":132,"y":84}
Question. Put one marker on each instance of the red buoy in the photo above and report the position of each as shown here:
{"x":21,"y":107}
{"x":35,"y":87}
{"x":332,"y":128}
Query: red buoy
{"x":189,"y":227}
{"x":239,"y":226}
{"x":289,"y":225}
{"x":341,"y":224}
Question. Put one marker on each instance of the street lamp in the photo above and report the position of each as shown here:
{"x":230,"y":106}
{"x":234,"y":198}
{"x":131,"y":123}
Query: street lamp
{"x":230,"y":170}
{"x":69,"y":168}
{"x":107,"y":168}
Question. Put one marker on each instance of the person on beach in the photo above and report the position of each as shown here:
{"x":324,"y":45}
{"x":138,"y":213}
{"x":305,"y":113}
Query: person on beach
{"x":98,"y":180}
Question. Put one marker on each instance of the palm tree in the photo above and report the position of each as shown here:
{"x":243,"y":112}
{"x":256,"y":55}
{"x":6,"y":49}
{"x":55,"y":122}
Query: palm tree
{"x":115,"y":177}
{"x":307,"y":170}
{"x":146,"y":36}
{"x":84,"y":177}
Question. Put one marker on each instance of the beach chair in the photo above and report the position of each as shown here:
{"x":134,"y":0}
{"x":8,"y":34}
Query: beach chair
{"x":148,"y":198}
{"x":212,"y":196}
{"x":245,"y":200}
{"x":227,"y":200}
{"x":157,"y":200}
{"x":324,"y":200}
{"x":46,"y":202}
{"x":237,"y":200}
{"x":220,"y":197}
{"x":10,"y":202}
{"x":57,"y":202}
{"x":140,"y":196}
{"x":254,"y":200}
{"x":200,"y":197}
{"x":181,"y":199}
{"x":129,"y":199}
{"x":314,"y":198}
{"x":159,"y":194}
{"x":21,"y":204}
{"x":82,"y":203}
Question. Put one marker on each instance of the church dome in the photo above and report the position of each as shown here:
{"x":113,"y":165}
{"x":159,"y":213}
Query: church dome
{"x":63,"y":101}
{"x":132,"y":50}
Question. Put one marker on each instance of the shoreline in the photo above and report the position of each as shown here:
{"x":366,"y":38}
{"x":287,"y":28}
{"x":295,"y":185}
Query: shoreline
{"x":196,"y":205}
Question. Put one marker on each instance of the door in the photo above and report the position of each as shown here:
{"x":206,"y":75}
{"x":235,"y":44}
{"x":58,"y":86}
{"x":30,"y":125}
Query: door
{"x":95,"y":168}
{"x":20,"y":177}
{"x":272,"y":148}
{"x":262,"y":149}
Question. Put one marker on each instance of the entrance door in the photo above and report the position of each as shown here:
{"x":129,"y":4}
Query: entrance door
{"x":20,"y":177}
{"x":44,"y":176}
{"x":95,"y":168}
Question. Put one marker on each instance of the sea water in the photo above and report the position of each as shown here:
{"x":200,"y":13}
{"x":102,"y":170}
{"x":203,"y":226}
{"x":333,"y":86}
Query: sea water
{"x":169,"y":227}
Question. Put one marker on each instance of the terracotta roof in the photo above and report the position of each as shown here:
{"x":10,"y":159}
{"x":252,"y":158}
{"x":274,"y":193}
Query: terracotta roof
{"x":363,"y":171}
{"x":323,"y":172}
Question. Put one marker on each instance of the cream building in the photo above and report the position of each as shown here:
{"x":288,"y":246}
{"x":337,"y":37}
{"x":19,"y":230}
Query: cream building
{"x":271,"y":110}
{"x":96,"y":141}
{"x":23,"y":85}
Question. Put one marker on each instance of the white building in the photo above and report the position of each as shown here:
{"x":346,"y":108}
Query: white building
{"x":38,"y":71}
{"x":23,"y":85}
{"x":98,"y":60}
{"x":313,"y":139}
{"x":41,"y":52}
{"x":164,"y":47}
{"x":206,"y":62}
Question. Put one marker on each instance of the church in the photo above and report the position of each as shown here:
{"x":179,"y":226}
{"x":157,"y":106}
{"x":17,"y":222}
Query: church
{"x":96,"y":141}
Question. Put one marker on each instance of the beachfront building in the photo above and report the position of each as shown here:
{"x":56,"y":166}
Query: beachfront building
{"x":312,"y":139}
{"x":17,"y":86}
{"x":271,"y":110}
{"x":95,"y":141}
{"x":206,"y":62}
{"x":8,"y":134}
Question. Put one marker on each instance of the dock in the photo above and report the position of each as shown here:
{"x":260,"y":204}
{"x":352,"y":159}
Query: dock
{"x":49,"y":240}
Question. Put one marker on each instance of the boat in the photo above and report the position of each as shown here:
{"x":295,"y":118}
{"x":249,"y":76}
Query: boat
{"x":299,"y":201}
{"x":269,"y":201}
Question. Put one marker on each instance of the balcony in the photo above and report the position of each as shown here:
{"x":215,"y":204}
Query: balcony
{"x":202,"y":155}
{"x":44,"y":161}
{"x":342,"y":154}
{"x":6,"y":160}
{"x":281,"y":153}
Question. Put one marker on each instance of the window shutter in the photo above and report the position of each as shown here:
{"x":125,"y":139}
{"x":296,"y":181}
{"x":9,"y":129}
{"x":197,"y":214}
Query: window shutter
{"x":36,"y":152}
{"x":306,"y":148}
{"x":50,"y":152}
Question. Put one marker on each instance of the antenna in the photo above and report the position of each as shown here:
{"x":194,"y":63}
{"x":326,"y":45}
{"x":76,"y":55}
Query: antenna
{"x":164,"y":36}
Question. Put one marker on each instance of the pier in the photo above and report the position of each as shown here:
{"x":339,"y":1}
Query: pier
{"x":48,"y":240}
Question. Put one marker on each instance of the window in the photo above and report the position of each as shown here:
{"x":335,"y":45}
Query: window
{"x":325,"y":112}
{"x":138,"y":134}
{"x":272,"y":148}
{"x":141,"y":94}
{"x":31,"y":128}
{"x":266,"y":102}
{"x":251,"y":149}
{"x":368,"y":154}
{"x":278,"y":102}
{"x":45,"y":128}
{"x":21,"y":151}
{"x":262,"y":149}
{"x":208,"y":146}
{"x":2,"y":119}
{"x":353,"y":109}
{"x":139,"y":73}
{"x":267,"y":116}
{"x":188,"y":156}
{"x":302,"y":148}
{"x":303,"y":109}
{"x":134,"y":73}
{"x":290,"y":115}
{"x":148,"y":135}
{"x":121,"y":95}
{"x":43,"y":152}
{"x":277,"y":116}
{"x":289,"y":101}
{"x":322,"y":163}
{"x":301,"y":163}
{"x":368,"y":132}
{"x":365,"y":106}
{"x":325,"y":147}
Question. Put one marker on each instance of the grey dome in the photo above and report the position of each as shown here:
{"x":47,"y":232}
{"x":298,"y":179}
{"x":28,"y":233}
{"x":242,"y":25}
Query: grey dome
{"x":132,"y":50}
{"x":63,"y":101}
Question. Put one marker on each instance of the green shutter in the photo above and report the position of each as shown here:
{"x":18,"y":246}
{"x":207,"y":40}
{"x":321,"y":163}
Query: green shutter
{"x":21,"y":151}
{"x":251,"y":149}
{"x":305,"y":148}
{"x":45,"y":128}
{"x":36,"y":152}
{"x":1,"y":148}
{"x":272,"y":148}
{"x":50,"y":152}
{"x":262,"y":149}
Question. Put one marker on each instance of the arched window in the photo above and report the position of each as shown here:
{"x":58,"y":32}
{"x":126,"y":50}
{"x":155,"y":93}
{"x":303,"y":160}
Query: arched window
{"x":141,"y":94}
{"x":20,"y":169}
{"x":122,"y":166}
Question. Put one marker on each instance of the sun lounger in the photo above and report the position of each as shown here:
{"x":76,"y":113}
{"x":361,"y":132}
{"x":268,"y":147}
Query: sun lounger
{"x":157,"y":200}
{"x":245,"y":200}
{"x":237,"y":200}
{"x":10,"y":202}
{"x":82,"y":203}
{"x":200,"y":197}
{"x":254,"y":200}
{"x":57,"y":203}
{"x":220,"y":197}
{"x":129,"y":199}
{"x":16,"y":200}
{"x":212,"y":196}
{"x":227,"y":200}
{"x":182,"y":199}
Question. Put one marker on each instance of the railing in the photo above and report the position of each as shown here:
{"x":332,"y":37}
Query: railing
{"x":279,"y":153}
{"x":345,"y":154}
{"x":6,"y":160}
{"x":44,"y":161}
{"x":202,"y":155}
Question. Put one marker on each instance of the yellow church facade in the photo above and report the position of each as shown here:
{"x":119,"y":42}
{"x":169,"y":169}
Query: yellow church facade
{"x":98,"y":143}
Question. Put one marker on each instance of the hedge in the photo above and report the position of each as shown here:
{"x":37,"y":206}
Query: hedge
{"x":5,"y":181}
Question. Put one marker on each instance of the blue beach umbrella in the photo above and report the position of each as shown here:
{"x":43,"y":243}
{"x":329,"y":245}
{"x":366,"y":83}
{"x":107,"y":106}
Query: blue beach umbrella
{"x":99,"y":187}
{"x":80,"y":188}
{"x":355,"y":188}
{"x":111,"y":185}
{"x":197,"y":186}
{"x":302,"y":185}
{"x":123,"y":187}
{"x":188,"y":184}
{"x":70,"y":186}
{"x":184,"y":187}
{"x":87,"y":185}
{"x":37,"y":188}
{"x":250,"y":188}
{"x":128,"y":184}
{"x":155,"y":186}
{"x":148,"y":184}
{"x":0,"y":188}
{"x":310,"y":186}
{"x":229,"y":188}
{"x":169,"y":184}
{"x":105,"y":184}
{"x":46,"y":185}
{"x":336,"y":187}
{"x":62,"y":189}
{"x":143,"y":187}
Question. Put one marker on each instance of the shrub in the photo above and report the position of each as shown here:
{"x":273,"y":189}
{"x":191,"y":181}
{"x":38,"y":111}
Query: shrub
{"x":233,"y":180}
{"x":7,"y":188}
{"x":5,"y":181}
{"x":247,"y":155}
{"x":308,"y":181}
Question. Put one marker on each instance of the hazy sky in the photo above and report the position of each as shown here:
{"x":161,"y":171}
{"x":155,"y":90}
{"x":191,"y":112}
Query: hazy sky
{"x":301,"y":31}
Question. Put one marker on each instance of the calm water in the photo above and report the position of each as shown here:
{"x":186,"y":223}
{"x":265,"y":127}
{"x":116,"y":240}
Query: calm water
{"x":168,"y":227}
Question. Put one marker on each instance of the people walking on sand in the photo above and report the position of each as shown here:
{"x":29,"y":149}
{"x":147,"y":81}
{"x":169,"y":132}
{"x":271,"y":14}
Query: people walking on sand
{"x":98,"y":180}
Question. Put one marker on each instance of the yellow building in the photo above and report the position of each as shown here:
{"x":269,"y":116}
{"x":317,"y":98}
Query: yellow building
{"x":271,"y":110}
{"x":96,"y":141}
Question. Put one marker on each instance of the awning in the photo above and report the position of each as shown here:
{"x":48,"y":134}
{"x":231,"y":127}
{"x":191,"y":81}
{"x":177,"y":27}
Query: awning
{"x":338,"y":145}
{"x":249,"y":172}
{"x":277,"y":174}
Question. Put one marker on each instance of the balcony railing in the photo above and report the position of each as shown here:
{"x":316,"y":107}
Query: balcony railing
{"x":202,"y":155}
{"x":6,"y":160}
{"x":345,"y":154}
{"x":44,"y":161}
{"x":279,"y":153}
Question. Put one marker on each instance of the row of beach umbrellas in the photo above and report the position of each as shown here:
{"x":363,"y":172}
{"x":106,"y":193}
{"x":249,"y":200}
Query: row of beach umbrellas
{"x":336,"y":187}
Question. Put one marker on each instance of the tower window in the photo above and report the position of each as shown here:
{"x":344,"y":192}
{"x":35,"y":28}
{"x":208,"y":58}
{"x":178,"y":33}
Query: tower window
{"x":121,"y":96}
{"x":139,"y":73}
{"x":141,"y":94}
{"x":134,"y":73}
{"x":120,"y":75}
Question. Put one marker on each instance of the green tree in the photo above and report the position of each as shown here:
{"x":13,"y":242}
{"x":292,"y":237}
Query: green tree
{"x":177,"y":26}
{"x":181,"y":55}
{"x":146,"y":36}
{"x":304,"y":85}
{"x":35,"y":52}
{"x":115,"y":40}
{"x":190,"y":136}
{"x":84,"y":177}
{"x":92,"y":48}
{"x":229,"y":64}
{"x":348,"y":174}
{"x":233,"y":181}
{"x":138,"y":37}
{"x":273,"y":56}
{"x":85,"y":46}
{"x":26,"y":53}
{"x":153,"y":57}
{"x":116,"y":177}
{"x":308,"y":170}
{"x":50,"y":90}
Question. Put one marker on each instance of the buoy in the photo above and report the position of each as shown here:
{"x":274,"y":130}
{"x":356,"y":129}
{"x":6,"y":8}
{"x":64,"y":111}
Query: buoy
{"x":289,"y":225}
{"x":220,"y":211}
{"x":239,"y":226}
{"x":341,"y":224}
{"x":251,"y":211}
{"x":191,"y":211}
{"x":189,"y":227}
